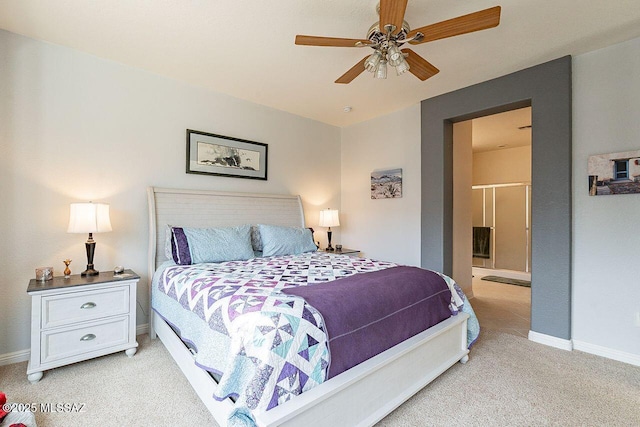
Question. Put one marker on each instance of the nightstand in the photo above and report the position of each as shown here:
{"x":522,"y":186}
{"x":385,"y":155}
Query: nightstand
{"x":344,"y":251}
{"x":79,"y":318}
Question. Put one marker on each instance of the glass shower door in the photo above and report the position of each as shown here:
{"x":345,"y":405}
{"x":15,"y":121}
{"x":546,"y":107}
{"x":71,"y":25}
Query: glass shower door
{"x":511,"y":228}
{"x":505,"y":210}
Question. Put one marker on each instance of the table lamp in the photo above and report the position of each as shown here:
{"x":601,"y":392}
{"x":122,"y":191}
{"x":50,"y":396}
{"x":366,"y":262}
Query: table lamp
{"x":89,"y":218}
{"x":329,"y":218}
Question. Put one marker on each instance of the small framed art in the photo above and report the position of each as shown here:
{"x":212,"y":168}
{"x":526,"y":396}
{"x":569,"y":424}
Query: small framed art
{"x":212,"y":154}
{"x":386,"y":184}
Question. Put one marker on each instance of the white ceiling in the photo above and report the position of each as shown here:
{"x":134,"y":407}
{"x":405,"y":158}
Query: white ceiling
{"x":501,"y":131}
{"x":246,"y":48}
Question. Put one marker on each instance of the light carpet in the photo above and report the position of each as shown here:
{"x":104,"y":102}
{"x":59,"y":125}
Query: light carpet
{"x":146,"y":390}
{"x":508,"y":381}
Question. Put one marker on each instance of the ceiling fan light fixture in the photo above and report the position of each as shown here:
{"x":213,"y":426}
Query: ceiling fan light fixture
{"x":373,"y":61}
{"x":381,"y":70}
{"x":391,"y":32}
{"x":394,"y":54}
{"x":402,"y":67}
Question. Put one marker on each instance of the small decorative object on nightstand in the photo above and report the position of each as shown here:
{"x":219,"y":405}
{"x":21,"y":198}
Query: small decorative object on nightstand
{"x":44,"y":273}
{"x":67,"y":270}
{"x":81,"y":317}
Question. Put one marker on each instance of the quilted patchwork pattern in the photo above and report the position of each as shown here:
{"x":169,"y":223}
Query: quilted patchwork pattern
{"x":278,"y":342}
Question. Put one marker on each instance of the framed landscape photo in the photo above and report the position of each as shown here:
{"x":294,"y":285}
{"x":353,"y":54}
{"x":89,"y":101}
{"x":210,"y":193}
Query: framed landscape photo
{"x":386,"y":184}
{"x":212,"y":154}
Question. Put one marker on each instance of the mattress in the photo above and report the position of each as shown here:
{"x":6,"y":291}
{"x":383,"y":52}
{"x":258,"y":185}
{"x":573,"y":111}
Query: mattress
{"x":266,"y":341}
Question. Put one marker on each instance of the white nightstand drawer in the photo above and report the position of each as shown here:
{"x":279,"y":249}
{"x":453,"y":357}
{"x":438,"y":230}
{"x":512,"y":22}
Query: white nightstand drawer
{"x":65,"y":343}
{"x":65,"y":309}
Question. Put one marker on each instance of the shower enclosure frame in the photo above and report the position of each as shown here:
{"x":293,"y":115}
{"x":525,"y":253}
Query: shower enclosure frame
{"x":493,"y":187}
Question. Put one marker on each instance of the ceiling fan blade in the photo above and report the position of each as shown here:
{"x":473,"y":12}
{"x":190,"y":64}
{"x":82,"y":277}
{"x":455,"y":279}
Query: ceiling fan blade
{"x":418,"y":66}
{"x":476,"y":21}
{"x":392,"y":12}
{"x":353,"y":72}
{"x":328,"y":41}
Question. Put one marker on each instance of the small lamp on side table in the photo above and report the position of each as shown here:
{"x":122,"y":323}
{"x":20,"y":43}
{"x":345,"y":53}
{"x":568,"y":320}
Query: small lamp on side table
{"x":89,"y":218}
{"x":329,"y":218}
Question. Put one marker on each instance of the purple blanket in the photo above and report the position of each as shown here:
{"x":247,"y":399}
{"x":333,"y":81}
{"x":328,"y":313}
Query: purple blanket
{"x":366,"y":314}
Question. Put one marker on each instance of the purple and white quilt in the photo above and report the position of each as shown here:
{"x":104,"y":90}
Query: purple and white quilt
{"x":265,"y":345}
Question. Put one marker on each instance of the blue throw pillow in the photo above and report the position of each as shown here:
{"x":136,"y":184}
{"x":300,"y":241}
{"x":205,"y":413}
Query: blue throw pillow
{"x":197,"y":245}
{"x":278,"y":240}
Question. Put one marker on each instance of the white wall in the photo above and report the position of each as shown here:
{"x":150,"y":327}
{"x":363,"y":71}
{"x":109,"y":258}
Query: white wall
{"x":74,"y":127}
{"x":386,"y":229}
{"x":606,"y":258}
{"x":502,"y":166}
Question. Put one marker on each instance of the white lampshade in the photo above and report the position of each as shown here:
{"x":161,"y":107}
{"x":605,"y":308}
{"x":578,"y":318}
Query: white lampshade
{"x":89,"y":218}
{"x":329,"y":218}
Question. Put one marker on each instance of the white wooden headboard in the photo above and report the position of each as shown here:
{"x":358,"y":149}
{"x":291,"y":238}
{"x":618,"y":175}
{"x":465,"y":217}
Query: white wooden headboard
{"x":203,"y":208}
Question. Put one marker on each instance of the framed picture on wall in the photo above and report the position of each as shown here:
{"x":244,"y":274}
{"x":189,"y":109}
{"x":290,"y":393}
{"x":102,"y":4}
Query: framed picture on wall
{"x":212,"y":154}
{"x":614,"y":173}
{"x":386,"y":184}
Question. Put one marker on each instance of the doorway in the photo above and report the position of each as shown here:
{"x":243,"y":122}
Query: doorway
{"x":501,"y":192}
{"x":547,"y":88}
{"x":500,"y":218}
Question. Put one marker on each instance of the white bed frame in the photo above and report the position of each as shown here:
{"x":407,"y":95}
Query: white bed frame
{"x":361,"y":396}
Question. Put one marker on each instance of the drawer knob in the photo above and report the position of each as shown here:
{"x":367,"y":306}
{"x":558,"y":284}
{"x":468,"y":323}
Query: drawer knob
{"x":88,"y":305}
{"x":88,"y":337}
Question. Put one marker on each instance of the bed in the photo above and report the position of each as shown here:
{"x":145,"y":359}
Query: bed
{"x":360,"y":395}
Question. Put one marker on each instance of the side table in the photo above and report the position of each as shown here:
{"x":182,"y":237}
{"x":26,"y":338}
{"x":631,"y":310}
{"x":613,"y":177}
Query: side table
{"x":79,"y":318}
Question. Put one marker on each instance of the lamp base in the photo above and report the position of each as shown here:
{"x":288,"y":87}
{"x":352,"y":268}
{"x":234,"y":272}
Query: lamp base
{"x":90,"y":271}
{"x":90,"y":245}
{"x":329,"y":248}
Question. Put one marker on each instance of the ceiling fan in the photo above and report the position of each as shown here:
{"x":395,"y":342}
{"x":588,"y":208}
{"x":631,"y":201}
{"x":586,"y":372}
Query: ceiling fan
{"x":387,"y":36}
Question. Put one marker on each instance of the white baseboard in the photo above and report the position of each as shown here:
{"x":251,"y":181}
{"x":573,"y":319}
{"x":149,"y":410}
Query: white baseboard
{"x":551,"y":341}
{"x":609,"y":353}
{"x":142,"y":329}
{"x":23,"y":355}
{"x":15,"y":357}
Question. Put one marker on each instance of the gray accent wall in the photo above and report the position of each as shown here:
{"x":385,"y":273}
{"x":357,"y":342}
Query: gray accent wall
{"x":547,"y":89}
